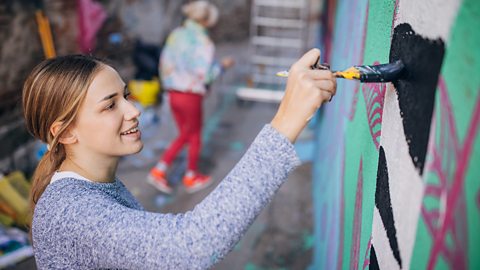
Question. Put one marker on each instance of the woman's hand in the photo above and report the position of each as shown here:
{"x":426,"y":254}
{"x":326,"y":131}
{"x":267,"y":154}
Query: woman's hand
{"x":306,"y":91}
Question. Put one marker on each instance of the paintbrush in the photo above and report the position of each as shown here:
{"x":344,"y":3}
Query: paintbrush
{"x":373,"y":73}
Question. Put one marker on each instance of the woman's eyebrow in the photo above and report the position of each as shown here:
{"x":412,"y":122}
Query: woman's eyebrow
{"x":108,"y":97}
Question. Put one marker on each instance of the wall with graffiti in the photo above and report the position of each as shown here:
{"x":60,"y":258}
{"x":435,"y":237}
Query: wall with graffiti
{"x":396,"y":166}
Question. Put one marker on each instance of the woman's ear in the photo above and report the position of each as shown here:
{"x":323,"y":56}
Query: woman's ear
{"x":67,"y":137}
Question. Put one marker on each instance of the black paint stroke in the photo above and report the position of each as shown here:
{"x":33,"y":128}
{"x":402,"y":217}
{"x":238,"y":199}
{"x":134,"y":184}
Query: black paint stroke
{"x":384,"y":205}
{"x":373,"y":265}
{"x":416,"y":89}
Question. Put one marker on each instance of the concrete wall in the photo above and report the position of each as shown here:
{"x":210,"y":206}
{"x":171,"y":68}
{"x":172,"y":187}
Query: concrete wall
{"x":395,"y":175}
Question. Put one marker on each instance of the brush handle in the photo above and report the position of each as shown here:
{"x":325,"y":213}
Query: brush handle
{"x":381,"y":73}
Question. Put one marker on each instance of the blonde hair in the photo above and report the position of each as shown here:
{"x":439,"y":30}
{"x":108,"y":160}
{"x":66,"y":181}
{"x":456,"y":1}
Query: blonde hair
{"x":202,"y":12}
{"x":53,"y":92}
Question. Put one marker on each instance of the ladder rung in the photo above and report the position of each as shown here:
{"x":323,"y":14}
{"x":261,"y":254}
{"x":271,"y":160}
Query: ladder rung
{"x":281,"y":3}
{"x":277,"y":42}
{"x":257,"y":94}
{"x":275,"y":22}
{"x":273,"y":61}
{"x":259,"y":78}
{"x":268,"y":71}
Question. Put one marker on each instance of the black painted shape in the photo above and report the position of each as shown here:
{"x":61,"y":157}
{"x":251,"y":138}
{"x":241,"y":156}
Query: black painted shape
{"x":416,"y":88}
{"x":373,"y":260}
{"x":384,"y":205}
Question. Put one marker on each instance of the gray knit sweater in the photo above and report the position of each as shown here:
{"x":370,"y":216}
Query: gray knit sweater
{"x":86,"y":225}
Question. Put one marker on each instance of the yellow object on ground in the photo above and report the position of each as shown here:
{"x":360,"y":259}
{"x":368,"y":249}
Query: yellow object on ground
{"x":145,"y":92}
{"x":6,"y":220}
{"x":18,"y":181}
{"x":14,"y":200}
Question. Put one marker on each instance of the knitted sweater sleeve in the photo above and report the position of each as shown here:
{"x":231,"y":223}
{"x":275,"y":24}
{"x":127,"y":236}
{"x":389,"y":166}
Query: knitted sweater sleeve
{"x":104,"y":234}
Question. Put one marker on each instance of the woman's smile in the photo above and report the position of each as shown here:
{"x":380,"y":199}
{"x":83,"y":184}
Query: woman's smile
{"x":133,"y":133}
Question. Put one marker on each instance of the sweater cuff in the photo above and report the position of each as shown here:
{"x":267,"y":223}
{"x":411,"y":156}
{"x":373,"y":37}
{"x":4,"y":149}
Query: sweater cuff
{"x":272,"y":141}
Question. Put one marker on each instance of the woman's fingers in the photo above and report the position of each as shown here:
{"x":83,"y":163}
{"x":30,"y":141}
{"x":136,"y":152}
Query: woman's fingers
{"x":320,"y":74}
{"x":308,"y":59}
{"x":326,"y":96}
{"x":326,"y":85}
{"x":306,"y":91}
{"x":319,"y":81}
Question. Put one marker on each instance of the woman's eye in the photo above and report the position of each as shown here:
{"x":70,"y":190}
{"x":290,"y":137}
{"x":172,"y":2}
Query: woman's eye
{"x":126,"y":95}
{"x":111,"y":106}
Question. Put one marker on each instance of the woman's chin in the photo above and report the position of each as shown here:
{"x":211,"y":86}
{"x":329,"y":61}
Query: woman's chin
{"x":134,"y":149}
{"x":139,"y":148}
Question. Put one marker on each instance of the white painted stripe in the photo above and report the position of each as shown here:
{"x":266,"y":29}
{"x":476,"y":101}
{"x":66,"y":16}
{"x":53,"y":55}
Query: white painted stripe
{"x":406,"y":185}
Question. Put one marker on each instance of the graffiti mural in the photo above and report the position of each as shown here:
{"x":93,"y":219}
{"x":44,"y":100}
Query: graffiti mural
{"x":329,"y":200}
{"x":395,"y":180}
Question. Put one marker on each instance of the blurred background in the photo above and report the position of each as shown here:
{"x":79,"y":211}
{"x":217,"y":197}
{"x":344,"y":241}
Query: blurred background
{"x":390,"y":170}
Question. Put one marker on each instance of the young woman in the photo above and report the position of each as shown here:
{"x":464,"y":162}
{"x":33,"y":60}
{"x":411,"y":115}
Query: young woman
{"x":187,"y":66}
{"x":84,"y":217}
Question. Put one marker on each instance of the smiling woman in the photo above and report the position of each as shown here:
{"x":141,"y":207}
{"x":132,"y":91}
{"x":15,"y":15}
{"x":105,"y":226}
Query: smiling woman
{"x":105,"y":108}
{"x":85,"y":218}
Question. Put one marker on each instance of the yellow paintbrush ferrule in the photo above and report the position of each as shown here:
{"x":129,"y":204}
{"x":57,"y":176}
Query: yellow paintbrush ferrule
{"x":351,"y":73}
{"x":283,"y":74}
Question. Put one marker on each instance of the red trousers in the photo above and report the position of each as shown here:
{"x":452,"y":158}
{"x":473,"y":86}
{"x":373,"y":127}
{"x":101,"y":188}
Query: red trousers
{"x":187,"y":111}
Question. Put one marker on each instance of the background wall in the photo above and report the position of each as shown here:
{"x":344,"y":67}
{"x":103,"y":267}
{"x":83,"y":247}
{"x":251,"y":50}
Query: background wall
{"x":395,"y":176}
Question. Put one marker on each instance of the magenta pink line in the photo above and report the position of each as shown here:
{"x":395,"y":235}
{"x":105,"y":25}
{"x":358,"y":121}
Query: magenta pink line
{"x":459,"y":177}
{"x":434,"y":214}
{"x":442,"y":119}
{"x":395,"y":14}
{"x":429,"y":220}
{"x":449,"y":256}
{"x":433,"y":218}
{"x":437,"y":166}
{"x":357,"y":220}
{"x":432,"y":190}
{"x":354,"y":103}
{"x":447,"y":106}
{"x":380,"y":93}
{"x":342,"y":215}
{"x":378,"y":110}
{"x":364,"y":36}
{"x":374,"y":95}
{"x":366,"y":261}
{"x":377,"y":121}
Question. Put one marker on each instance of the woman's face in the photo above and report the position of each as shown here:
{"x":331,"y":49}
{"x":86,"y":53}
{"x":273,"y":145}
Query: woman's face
{"x":107,"y":123}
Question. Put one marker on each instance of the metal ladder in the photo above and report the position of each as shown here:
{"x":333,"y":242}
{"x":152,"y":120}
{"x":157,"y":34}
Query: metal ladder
{"x":278,"y":36}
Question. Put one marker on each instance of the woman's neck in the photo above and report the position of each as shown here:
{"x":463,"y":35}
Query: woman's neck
{"x":102,"y":172}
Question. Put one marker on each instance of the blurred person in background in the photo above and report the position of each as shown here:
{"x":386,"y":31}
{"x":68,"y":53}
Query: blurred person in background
{"x":85,"y":218}
{"x":187,"y":68}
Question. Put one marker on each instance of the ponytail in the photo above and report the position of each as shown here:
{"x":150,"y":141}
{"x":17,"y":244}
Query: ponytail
{"x":48,"y":164}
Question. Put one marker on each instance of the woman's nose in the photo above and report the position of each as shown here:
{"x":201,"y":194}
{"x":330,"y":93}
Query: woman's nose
{"x":131,"y":111}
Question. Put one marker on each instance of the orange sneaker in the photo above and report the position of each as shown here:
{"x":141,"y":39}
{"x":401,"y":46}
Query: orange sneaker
{"x":158,"y":179}
{"x":196,"y":182}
